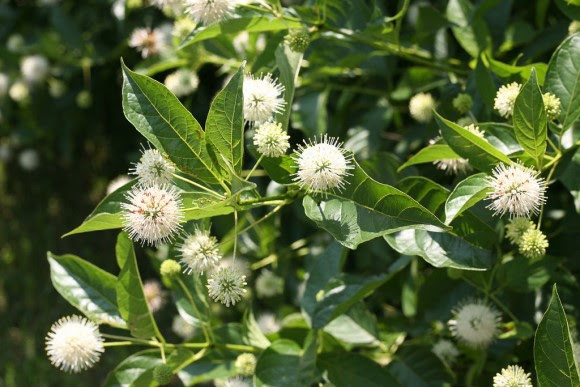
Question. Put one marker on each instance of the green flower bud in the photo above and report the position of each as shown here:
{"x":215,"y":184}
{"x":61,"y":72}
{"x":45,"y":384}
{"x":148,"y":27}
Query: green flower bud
{"x":533,"y":244}
{"x":170,"y":268}
{"x":463,"y":103}
{"x":298,"y":40}
{"x":246,"y":364}
{"x":163,"y":374}
{"x":552,"y":105}
{"x":517,"y":227}
{"x":84,"y":99}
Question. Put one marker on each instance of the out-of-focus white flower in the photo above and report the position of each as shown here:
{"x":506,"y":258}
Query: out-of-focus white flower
{"x":153,"y":214}
{"x":262,"y":98}
{"x":210,"y":11}
{"x":15,"y":43}
{"x":268,"y":323}
{"x":34,"y":68}
{"x":74,"y":344}
{"x":227,"y":286}
{"x":574,"y":27}
{"x":458,"y":165}
{"x":421,"y":107}
{"x":150,"y":42}
{"x":533,"y":243}
{"x":505,"y":99}
{"x":475,"y":323}
{"x":246,"y":364}
{"x":153,"y":168}
{"x":516,"y":189}
{"x":165,"y":3}
{"x":182,"y":82}
{"x":118,"y":9}
{"x":271,"y":140}
{"x":239,"y":263}
{"x":154,"y":295}
{"x":268,"y":284}
{"x":322,"y":166}
{"x":446,"y":351}
{"x":199,"y":252}
{"x":19,"y":91}
{"x":516,"y":228}
{"x":233,"y":382}
{"x":182,"y":328}
{"x":4,"y":85}
{"x":117,"y":183}
{"x":512,"y":376}
{"x":29,"y":159}
{"x":5,"y":151}
{"x":183,"y":27}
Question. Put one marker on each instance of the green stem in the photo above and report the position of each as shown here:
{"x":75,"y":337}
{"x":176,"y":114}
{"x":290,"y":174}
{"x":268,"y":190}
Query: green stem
{"x":236,"y":233}
{"x":555,"y":161}
{"x":263,"y":200}
{"x":192,"y":359}
{"x":117,"y":343}
{"x":237,"y":347}
{"x":493,"y":298}
{"x":255,"y":166}
{"x":199,"y":186}
{"x":552,"y":144}
{"x":204,"y":328}
{"x":402,"y":12}
{"x":263,"y":218}
{"x":264,"y":262}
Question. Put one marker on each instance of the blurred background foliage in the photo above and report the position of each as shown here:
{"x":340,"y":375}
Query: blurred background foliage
{"x":64,"y":139}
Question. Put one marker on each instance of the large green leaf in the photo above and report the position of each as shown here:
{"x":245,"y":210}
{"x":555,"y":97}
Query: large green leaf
{"x":159,"y":116}
{"x":357,"y":326}
{"x":418,"y":366}
{"x":284,"y":364}
{"x":288,"y":63}
{"x":136,"y":370}
{"x":481,"y":154}
{"x":351,"y":369}
{"x":563,"y":79}
{"x":484,"y":83}
{"x":252,"y":334}
{"x":206,"y":369}
{"x":279,"y":169}
{"x":236,"y":25}
{"x":570,"y":179}
{"x":471,"y":33}
{"x":530,"y":121}
{"x":465,"y":194}
{"x":501,"y":136}
{"x":553,"y":350}
{"x":130,"y":296}
{"x":87,"y":287}
{"x":430,"y":154}
{"x":505,"y":70}
{"x":224,"y":127}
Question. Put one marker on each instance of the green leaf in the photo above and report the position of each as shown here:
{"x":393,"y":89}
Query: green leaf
{"x":563,"y":79}
{"x":465,"y":195}
{"x":471,"y":33}
{"x":310,"y":114}
{"x":484,"y":83}
{"x":285,"y":364}
{"x":481,"y":154}
{"x":418,"y":366}
{"x":159,"y":116}
{"x":505,"y":70}
{"x":357,"y":326}
{"x":130,"y":296}
{"x":224,"y":127}
{"x":501,"y":137}
{"x":252,"y":334}
{"x":207,"y":369}
{"x":136,"y":370}
{"x":279,"y":169}
{"x":351,"y":369}
{"x":530,"y":121}
{"x":570,"y":179}
{"x":199,"y":294}
{"x":553,"y":351}
{"x":430,"y":154}
{"x":288,"y":63}
{"x":526,"y":275}
{"x":236,"y":25}
{"x":86,"y":287}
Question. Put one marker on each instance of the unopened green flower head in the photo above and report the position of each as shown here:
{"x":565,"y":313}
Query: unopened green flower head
{"x":170,"y":268}
{"x":246,"y":364}
{"x":516,"y":228}
{"x":298,"y":40}
{"x":552,"y":105}
{"x":574,"y":27}
{"x":533,"y":244}
{"x":163,"y":374}
{"x":463,"y":103}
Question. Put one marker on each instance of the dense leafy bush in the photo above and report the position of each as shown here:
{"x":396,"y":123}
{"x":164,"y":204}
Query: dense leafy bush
{"x":435,"y":246}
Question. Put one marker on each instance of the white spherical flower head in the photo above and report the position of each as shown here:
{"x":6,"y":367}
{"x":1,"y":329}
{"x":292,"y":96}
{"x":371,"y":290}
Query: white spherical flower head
{"x":153,"y":168}
{"x":269,"y":284}
{"x":506,"y":98}
{"x":446,"y":351}
{"x":74,"y":344}
{"x":421,"y":107}
{"x":210,"y":11}
{"x":153,"y":214}
{"x":512,"y":376}
{"x":227,"y":286}
{"x":182,"y":82}
{"x":29,"y":159}
{"x":154,"y":295}
{"x":146,"y":41}
{"x":267,"y":323}
{"x":322,"y":166}
{"x":271,"y":140}
{"x":19,"y":91}
{"x":199,"y":252}
{"x":262,"y":98}
{"x":475,"y":323}
{"x":182,"y":328}
{"x":34,"y":68}
{"x":517,"y":190}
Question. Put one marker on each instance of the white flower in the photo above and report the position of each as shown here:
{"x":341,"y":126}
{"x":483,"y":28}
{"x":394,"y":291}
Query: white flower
{"x":117,"y":183}
{"x":446,"y":351}
{"x":165,"y":3}
{"x":182,"y":328}
{"x":34,"y":68}
{"x":458,"y":165}
{"x":421,"y":107}
{"x":506,"y":98}
{"x":153,"y":214}
{"x":271,"y":140}
{"x":118,"y":9}
{"x":147,"y":41}
{"x":182,"y":82}
{"x":74,"y":344}
{"x":552,"y":105}
{"x":15,"y":43}
{"x":475,"y":323}
{"x":153,"y":168}
{"x":262,"y":98}
{"x":246,"y":364}
{"x":154,"y":295}
{"x":234,"y":382}
{"x":227,"y":286}
{"x":210,"y":11}
{"x":4,"y":85}
{"x":241,"y":265}
{"x":268,"y":323}
{"x":19,"y":91}
{"x":516,"y":189}
{"x":512,"y":376}
{"x":199,"y":252}
{"x":516,"y":228}
{"x":268,"y":284}
{"x":183,"y":27}
{"x":28,"y":159}
{"x":322,"y":166}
